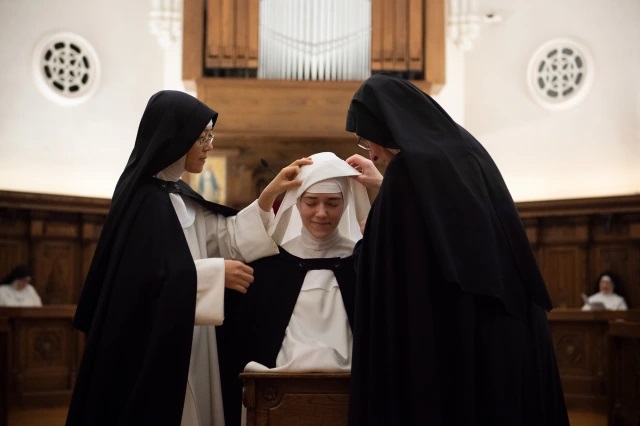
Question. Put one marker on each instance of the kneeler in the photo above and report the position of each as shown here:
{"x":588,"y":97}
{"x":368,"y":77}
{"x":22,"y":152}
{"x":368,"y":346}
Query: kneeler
{"x":296,"y":399}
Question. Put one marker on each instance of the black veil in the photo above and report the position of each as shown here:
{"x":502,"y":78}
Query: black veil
{"x":171,"y":123}
{"x":449,"y":327}
{"x":464,"y":202}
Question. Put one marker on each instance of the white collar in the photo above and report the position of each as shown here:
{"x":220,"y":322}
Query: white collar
{"x":310,"y":242}
{"x":174,"y":171}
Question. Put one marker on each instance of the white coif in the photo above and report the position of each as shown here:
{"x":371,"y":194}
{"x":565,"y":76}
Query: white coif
{"x":315,"y":39}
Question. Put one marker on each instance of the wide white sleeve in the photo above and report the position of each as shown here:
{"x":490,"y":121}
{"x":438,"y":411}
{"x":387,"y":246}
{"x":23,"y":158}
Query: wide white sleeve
{"x":622,"y":306}
{"x":243,"y":236}
{"x":209,"y":291}
{"x":34,"y":298}
{"x":5,"y":300}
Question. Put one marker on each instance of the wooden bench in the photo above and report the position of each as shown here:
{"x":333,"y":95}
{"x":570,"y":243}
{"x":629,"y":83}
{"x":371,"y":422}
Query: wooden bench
{"x":300,"y":399}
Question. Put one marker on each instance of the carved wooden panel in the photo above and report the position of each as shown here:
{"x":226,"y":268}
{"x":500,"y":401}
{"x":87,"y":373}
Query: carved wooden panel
{"x":580,"y":352}
{"x":292,"y":399}
{"x":44,"y":356}
{"x":397,"y":35}
{"x":231,"y":34}
{"x":5,"y":330}
{"x":565,"y":230}
{"x":572,"y":349}
{"x":56,"y":235}
{"x":56,"y":263}
{"x":54,"y":225}
{"x":563,"y":269}
{"x":581,"y":347}
{"x":91,"y":229}
{"x":532,"y":228}
{"x":12,"y":253}
{"x":624,"y":374}
{"x":612,"y":227}
{"x":14,"y":234}
{"x":88,"y":249}
{"x":14,"y":222}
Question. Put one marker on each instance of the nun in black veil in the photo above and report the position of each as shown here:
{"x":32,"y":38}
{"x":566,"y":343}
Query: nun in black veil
{"x":450,"y":323}
{"x":155,"y":289}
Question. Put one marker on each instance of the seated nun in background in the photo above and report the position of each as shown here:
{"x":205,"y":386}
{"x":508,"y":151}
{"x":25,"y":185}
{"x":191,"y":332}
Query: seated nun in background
{"x":16,"y":289}
{"x":606,"y":297}
{"x":297,"y":315}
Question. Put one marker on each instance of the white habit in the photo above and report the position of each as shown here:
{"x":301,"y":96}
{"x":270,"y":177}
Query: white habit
{"x":11,"y":296}
{"x":611,"y":302}
{"x":318,"y":337}
{"x":211,"y":238}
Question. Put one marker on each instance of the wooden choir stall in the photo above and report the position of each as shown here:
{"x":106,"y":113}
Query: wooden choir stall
{"x":56,"y":236}
{"x":624,"y":373}
{"x":43,"y":352}
{"x":583,"y":352}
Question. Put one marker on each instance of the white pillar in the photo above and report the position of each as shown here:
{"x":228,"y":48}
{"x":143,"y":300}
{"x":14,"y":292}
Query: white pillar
{"x":463,"y":22}
{"x":165,"y":22}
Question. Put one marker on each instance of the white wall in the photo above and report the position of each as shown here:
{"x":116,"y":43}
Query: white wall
{"x":452,"y":96}
{"x":592,"y":149}
{"x":76,"y":150}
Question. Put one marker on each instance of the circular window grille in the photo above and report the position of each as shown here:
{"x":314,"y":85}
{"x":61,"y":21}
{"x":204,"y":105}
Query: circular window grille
{"x":560,"y":74}
{"x":66,"y":68}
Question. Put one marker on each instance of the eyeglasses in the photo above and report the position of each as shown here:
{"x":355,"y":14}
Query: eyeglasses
{"x":204,"y":140}
{"x":363,"y":143}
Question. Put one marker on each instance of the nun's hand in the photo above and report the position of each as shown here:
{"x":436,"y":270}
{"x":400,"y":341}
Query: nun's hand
{"x":237,"y":275}
{"x":284,"y":181}
{"x":371,"y":176}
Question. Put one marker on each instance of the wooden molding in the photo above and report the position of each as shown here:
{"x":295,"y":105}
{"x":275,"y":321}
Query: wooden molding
{"x":580,"y":206}
{"x":279,"y":108}
{"x":53,"y":202}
